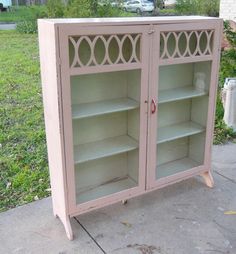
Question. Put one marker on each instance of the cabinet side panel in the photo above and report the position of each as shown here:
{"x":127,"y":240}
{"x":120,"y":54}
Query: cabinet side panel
{"x":213,"y":91}
{"x":51,"y":99}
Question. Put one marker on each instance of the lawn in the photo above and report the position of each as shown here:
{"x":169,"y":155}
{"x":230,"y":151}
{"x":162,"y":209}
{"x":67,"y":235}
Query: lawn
{"x":23,"y":159}
{"x":22,"y":13}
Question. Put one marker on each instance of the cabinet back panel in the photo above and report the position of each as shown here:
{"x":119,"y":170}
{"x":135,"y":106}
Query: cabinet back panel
{"x":133,"y":164}
{"x":133,"y":84}
{"x":106,"y":176}
{"x":174,"y":76}
{"x":105,"y":86}
{"x":173,"y":150}
{"x":96,"y":172}
{"x":174,"y":112}
{"x":204,"y":67}
{"x":133,"y":123}
{"x":199,"y":110}
{"x":98,"y":87}
{"x":197,"y":147}
{"x":100,"y":127}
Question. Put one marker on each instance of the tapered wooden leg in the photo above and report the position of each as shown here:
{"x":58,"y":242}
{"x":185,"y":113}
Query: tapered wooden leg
{"x":207,"y":176}
{"x":67,"y":225}
{"x":68,"y":228}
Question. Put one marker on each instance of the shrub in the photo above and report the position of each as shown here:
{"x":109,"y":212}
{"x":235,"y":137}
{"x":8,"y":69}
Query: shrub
{"x":27,"y":26}
{"x":227,"y":69}
{"x":55,"y":8}
{"x":198,"y":7}
{"x":78,"y":9}
{"x":228,"y":57}
{"x":168,"y":12}
{"x":107,"y":10}
{"x":34,"y":12}
{"x":92,"y":9}
{"x":211,"y":8}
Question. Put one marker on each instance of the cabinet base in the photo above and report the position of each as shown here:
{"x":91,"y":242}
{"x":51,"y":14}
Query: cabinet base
{"x":208,"y":179}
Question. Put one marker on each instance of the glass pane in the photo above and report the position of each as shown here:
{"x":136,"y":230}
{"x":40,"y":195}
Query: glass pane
{"x":183,"y":97}
{"x":105,"y":112}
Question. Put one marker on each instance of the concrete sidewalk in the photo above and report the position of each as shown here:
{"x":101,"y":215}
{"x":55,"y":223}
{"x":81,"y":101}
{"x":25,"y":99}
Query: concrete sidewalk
{"x":185,"y":218}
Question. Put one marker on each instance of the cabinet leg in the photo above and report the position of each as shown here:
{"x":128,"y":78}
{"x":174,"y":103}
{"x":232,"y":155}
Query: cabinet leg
{"x":207,"y":176}
{"x":68,"y":228}
{"x":67,"y":225}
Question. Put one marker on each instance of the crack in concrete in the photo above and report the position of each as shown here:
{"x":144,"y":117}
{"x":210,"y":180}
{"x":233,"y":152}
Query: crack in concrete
{"x":224,"y":228}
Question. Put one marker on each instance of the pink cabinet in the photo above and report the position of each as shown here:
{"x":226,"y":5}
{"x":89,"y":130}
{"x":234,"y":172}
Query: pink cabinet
{"x":129,"y":106}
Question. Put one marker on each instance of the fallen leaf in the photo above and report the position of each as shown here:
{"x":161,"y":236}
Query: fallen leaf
{"x":127,"y":224}
{"x":230,"y":212}
{"x":8,"y":185}
{"x":36,"y":198}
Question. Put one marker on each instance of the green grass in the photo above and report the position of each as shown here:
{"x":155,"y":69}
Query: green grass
{"x":169,"y":11}
{"x":23,"y":13}
{"x":23,"y":161}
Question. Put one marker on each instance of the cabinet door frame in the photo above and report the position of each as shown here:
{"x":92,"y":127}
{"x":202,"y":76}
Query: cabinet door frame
{"x":155,"y":63}
{"x":66,"y":30}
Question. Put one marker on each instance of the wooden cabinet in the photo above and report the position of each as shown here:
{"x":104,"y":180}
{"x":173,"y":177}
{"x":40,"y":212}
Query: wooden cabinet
{"x":129,"y":106}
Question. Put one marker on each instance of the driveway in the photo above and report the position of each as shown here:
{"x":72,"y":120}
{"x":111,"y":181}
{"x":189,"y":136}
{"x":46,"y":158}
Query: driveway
{"x":7,"y":26}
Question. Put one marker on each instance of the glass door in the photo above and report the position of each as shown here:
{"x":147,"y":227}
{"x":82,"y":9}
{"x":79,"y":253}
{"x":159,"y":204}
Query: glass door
{"x":104,"y":91}
{"x":183,"y":101}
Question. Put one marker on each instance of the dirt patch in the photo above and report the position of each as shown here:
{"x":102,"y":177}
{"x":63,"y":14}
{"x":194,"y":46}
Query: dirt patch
{"x":144,"y":248}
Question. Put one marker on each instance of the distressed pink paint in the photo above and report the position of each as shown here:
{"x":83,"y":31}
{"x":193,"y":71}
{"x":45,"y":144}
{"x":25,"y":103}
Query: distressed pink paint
{"x":56,"y":71}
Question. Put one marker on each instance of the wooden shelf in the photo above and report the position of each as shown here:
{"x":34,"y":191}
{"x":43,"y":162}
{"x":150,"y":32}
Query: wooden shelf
{"x":179,"y":94}
{"x":104,"y":148}
{"x":111,"y":187}
{"x":182,"y":60}
{"x":179,"y":130}
{"x":175,"y":167}
{"x":103,"y":107}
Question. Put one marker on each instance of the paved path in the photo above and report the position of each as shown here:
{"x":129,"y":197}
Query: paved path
{"x":7,"y":26}
{"x":185,"y":218}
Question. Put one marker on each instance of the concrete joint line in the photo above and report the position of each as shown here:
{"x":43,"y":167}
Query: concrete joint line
{"x":93,"y":239}
{"x":231,"y":180}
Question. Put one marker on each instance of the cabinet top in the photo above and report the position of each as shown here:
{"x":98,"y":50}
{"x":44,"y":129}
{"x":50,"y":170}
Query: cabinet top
{"x":128,"y":20}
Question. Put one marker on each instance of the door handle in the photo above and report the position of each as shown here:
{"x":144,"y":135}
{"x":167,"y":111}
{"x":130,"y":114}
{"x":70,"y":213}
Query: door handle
{"x":153,"y":106}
